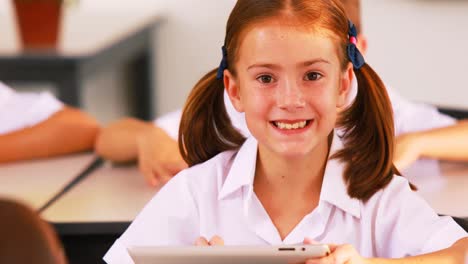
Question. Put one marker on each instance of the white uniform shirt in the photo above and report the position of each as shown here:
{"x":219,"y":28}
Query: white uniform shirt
{"x":408,"y":116}
{"x":22,"y":110}
{"x":217,"y":198}
{"x":411,"y":117}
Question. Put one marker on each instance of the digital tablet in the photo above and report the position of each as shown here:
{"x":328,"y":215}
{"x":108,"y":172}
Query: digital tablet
{"x":227,"y":254}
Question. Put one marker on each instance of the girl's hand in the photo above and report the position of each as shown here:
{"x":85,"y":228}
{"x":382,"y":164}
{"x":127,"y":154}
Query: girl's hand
{"x":158,"y":156}
{"x":214,"y":241}
{"x":340,"y":254}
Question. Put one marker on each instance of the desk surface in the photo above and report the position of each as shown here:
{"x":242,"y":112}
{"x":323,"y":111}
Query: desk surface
{"x":444,"y":186}
{"x":109,"y":194}
{"x":36,"y":182}
{"x":83,"y":33}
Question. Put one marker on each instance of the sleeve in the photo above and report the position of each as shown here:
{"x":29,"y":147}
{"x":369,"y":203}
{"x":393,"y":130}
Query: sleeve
{"x":169,"y":219}
{"x":411,"y":116}
{"x":170,"y":123}
{"x":22,"y":110}
{"x":407,"y":226}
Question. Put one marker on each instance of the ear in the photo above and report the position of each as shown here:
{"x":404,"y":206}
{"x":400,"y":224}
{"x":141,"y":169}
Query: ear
{"x":362,"y":44}
{"x":232,"y":89}
{"x":345,"y":86}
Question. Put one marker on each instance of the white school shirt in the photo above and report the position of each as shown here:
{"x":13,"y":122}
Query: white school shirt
{"x":22,"y":110}
{"x":217,"y":198}
{"x":411,"y":117}
{"x":408,"y":116}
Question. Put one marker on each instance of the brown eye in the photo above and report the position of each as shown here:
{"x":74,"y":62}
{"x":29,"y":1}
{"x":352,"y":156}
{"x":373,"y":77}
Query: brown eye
{"x":313,"y":76}
{"x":265,"y":79}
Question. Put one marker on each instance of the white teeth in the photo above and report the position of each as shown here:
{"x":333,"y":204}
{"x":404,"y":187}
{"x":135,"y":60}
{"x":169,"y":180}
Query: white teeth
{"x":287,"y":126}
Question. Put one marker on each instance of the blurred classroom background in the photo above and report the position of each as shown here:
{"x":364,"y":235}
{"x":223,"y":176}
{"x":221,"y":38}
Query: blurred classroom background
{"x":418,"y":47}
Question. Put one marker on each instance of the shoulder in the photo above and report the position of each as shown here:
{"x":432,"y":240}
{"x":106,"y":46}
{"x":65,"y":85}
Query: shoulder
{"x":405,"y":224}
{"x":396,"y":202}
{"x":392,"y":196}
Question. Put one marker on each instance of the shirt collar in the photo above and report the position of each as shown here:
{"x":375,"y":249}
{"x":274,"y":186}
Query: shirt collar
{"x":334,"y":188}
{"x":242,"y":171}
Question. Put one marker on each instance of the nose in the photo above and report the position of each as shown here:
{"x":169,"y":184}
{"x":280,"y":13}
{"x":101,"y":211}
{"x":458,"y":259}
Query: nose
{"x":290,"y":96}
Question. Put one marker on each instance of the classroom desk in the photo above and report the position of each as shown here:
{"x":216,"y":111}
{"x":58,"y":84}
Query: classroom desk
{"x":91,"y":42}
{"x":96,"y":211}
{"x":92,"y":215}
{"x":105,"y":202}
{"x":108,"y":199}
{"x":36,"y":182}
{"x":443,"y":185}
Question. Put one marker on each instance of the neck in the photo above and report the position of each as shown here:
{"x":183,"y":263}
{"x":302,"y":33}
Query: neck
{"x":292,"y":176}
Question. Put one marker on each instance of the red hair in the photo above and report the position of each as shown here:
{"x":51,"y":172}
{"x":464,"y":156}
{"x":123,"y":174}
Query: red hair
{"x":206,"y":130}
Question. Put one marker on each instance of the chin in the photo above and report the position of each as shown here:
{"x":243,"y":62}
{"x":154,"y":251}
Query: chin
{"x":294,"y":150}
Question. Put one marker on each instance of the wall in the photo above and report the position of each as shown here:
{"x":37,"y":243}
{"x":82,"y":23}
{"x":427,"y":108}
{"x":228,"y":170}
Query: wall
{"x":418,"y":46}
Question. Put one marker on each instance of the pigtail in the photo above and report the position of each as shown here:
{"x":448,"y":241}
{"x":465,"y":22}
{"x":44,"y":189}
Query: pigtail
{"x":368,"y":137}
{"x":205,"y":128}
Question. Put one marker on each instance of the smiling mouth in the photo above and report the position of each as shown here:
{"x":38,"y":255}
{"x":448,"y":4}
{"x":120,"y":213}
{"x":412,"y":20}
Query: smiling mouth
{"x":291,"y":126}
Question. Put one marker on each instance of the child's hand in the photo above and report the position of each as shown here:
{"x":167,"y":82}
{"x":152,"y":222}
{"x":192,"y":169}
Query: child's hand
{"x":214,"y":241}
{"x":340,"y":254}
{"x":407,"y":150}
{"x":158,"y":156}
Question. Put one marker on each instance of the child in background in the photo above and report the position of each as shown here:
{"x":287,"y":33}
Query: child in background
{"x":154,"y":144}
{"x":36,"y":125}
{"x":26,"y":238}
{"x":288,"y":65}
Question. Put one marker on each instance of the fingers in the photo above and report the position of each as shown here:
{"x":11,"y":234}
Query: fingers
{"x":154,"y":173}
{"x":324,"y":260}
{"x":215,"y":241}
{"x":341,"y":254}
{"x":174,"y":167}
{"x":309,"y":241}
{"x":162,"y":174}
{"x":201,"y":241}
{"x":158,"y":157}
{"x":147,"y":172}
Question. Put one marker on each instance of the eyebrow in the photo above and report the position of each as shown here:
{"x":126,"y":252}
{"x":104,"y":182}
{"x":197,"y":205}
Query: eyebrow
{"x":315,"y":61}
{"x":302,"y":64}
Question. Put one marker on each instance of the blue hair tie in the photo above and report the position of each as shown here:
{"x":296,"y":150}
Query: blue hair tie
{"x":223,"y":65}
{"x":354,"y":55}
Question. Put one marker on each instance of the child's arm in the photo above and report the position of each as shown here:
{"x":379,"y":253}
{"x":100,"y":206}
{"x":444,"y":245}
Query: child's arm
{"x":68,"y":130}
{"x":456,"y":254}
{"x":131,"y":139}
{"x":449,"y":143}
{"x":118,"y":141}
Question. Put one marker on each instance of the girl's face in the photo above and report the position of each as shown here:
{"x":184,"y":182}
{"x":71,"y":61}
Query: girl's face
{"x":290,"y":85}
